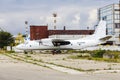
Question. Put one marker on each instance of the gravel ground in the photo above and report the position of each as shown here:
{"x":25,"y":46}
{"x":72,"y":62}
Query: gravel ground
{"x":11,"y":69}
{"x":61,"y":59}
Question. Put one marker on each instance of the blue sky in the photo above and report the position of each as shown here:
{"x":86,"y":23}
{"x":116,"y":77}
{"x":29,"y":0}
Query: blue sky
{"x":74,"y":14}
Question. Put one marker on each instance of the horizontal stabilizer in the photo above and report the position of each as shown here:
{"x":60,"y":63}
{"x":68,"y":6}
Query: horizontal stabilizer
{"x":105,"y":38}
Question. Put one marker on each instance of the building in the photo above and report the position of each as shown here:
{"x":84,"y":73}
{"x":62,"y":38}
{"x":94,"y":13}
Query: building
{"x":40,"y":32}
{"x":19,"y":39}
{"x":111,"y":13}
{"x":69,"y":34}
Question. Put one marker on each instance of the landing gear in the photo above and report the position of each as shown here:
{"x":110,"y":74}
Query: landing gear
{"x":25,"y":52}
{"x":56,"y":51}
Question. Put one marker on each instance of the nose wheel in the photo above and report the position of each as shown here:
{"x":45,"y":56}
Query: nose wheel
{"x":25,"y":52}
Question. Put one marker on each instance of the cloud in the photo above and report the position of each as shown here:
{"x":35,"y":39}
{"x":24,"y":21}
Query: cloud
{"x":92,"y":18}
{"x":74,"y":14}
{"x":68,"y":16}
{"x":76,"y":21}
{"x":2,"y":21}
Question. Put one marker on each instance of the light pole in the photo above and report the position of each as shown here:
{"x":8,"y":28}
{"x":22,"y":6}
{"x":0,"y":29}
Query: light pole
{"x":55,"y":21}
{"x":26,"y":28}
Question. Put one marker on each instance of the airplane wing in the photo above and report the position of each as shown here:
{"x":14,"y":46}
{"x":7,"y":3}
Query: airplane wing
{"x":105,"y":38}
{"x":59,"y":42}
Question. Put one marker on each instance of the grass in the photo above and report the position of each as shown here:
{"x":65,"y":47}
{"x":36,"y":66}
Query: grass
{"x":97,"y":55}
{"x":94,"y":58}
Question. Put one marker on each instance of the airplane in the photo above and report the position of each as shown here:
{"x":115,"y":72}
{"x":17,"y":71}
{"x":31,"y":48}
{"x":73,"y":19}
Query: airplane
{"x":99,"y":37}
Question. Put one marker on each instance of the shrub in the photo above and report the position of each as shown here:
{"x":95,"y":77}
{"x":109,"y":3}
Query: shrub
{"x":98,"y":53}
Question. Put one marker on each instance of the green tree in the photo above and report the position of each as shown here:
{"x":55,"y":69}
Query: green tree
{"x":6,"y":39}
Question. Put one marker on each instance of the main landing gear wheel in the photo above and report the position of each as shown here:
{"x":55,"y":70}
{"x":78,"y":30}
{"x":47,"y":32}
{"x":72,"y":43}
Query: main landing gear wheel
{"x":56,"y":51}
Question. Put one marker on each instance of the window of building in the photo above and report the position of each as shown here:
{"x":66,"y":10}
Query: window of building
{"x":117,"y":25}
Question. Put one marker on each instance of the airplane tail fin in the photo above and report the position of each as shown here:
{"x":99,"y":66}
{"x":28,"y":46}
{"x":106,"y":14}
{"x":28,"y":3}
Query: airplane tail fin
{"x":100,"y":31}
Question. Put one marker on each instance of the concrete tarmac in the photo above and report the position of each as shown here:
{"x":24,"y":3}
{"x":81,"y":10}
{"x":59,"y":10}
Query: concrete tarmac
{"x":11,"y":69}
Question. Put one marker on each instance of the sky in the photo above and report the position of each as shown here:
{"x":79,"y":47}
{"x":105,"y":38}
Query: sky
{"x":74,"y":14}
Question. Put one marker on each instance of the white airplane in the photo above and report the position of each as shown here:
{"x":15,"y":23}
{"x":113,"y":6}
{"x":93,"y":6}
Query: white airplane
{"x":99,"y":37}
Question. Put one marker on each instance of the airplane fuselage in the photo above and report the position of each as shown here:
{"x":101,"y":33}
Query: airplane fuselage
{"x":74,"y":44}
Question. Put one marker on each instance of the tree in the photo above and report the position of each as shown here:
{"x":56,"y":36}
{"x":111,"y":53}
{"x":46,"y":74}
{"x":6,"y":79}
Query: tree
{"x":6,"y":39}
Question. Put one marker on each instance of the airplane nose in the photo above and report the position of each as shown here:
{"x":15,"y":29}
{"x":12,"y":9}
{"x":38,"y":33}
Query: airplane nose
{"x":17,"y":47}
